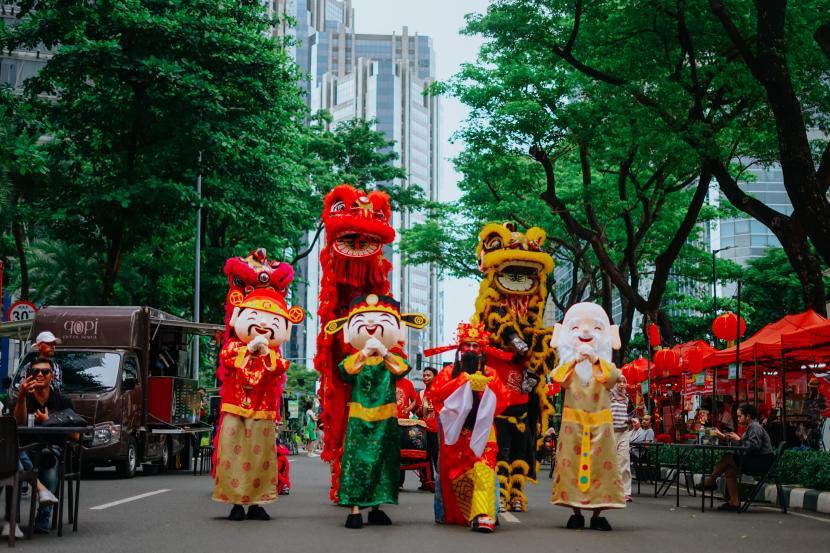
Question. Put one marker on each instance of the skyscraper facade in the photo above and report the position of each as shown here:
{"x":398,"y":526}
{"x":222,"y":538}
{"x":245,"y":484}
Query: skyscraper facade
{"x":20,"y":64}
{"x":382,"y":78}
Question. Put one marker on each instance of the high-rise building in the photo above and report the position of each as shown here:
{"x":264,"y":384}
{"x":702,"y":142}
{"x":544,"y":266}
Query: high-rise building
{"x":20,"y":64}
{"x":743,"y":238}
{"x":382,"y":78}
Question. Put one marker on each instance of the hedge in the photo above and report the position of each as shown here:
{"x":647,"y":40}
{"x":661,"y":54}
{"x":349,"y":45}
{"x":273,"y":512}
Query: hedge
{"x":808,"y":469}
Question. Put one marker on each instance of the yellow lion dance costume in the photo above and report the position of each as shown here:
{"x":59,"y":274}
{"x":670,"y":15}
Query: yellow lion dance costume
{"x":511,"y":305}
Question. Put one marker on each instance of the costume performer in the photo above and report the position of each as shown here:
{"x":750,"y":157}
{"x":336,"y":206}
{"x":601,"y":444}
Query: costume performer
{"x":352,"y":264}
{"x":587,"y":472}
{"x":283,"y":470}
{"x":468,"y":395}
{"x":246,"y":274}
{"x":510,"y":305}
{"x":251,"y":372}
{"x":371,"y":453}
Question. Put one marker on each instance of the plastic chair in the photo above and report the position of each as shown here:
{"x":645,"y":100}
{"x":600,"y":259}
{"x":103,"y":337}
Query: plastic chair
{"x":761,"y":479}
{"x":11,"y":477}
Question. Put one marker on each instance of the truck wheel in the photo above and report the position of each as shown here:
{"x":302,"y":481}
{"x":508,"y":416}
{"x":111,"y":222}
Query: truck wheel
{"x":126,"y":468}
{"x":164,"y":463}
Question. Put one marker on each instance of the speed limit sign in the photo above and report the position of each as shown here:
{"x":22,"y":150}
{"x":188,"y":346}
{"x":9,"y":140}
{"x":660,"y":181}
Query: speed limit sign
{"x":21,"y":311}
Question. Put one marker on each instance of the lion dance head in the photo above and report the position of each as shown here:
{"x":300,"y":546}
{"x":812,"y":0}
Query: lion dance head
{"x":358,"y":226}
{"x":246,"y":274}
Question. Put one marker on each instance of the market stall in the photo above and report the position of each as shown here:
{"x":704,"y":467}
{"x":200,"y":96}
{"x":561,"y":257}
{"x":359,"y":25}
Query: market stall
{"x":760,"y":370}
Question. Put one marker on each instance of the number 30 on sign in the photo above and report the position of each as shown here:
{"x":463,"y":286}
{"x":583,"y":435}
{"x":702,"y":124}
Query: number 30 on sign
{"x":21,"y":311}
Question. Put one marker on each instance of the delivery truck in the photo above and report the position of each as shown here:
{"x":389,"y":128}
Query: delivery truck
{"x":129,"y":373}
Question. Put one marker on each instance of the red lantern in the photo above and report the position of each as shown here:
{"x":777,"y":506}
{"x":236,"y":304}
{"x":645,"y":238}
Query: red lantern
{"x":636,"y":371}
{"x":726,"y":327}
{"x":653,"y":335}
{"x":667,"y":362}
{"x":693,"y":360}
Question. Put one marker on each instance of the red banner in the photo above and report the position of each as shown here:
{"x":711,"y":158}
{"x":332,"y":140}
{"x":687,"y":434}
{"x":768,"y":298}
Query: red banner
{"x":697,"y":384}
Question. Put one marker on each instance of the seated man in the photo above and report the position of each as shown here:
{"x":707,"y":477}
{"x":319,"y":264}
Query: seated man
{"x":758,"y":456}
{"x":36,"y":396}
{"x":642,"y":432}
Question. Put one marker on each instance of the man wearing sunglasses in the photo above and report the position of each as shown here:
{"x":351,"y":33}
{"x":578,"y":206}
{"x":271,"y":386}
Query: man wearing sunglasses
{"x":36,"y":396}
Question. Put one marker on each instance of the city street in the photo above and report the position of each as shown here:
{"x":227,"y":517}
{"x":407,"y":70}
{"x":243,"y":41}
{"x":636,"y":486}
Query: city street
{"x":180,"y":516}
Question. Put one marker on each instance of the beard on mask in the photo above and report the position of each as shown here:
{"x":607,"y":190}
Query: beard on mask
{"x":468,"y":362}
{"x":568,"y":351}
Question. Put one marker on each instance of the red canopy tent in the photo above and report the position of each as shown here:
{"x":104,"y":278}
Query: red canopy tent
{"x":766,"y":343}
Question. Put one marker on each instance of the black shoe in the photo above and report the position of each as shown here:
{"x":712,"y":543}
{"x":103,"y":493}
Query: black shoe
{"x":576,"y":522}
{"x":41,"y":529}
{"x":237,"y":513}
{"x":600,"y":523}
{"x":354,"y":521}
{"x":728,"y":507}
{"x":256,"y":512}
{"x":379,"y":518}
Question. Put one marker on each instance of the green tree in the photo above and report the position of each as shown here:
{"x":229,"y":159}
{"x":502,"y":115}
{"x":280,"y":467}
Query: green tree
{"x":22,"y":171}
{"x":138,"y":91}
{"x":772,"y":288}
{"x":617,"y":185}
{"x":737,"y":82}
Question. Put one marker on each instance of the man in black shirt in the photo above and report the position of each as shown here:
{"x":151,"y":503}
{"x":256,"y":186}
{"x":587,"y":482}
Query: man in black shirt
{"x":757,"y":457}
{"x":37,"y":397}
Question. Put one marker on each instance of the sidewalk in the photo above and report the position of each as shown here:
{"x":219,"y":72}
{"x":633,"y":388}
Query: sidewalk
{"x":805,"y":499}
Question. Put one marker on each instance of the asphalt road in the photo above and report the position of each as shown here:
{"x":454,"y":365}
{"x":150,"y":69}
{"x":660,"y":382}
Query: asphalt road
{"x":183,"y":518}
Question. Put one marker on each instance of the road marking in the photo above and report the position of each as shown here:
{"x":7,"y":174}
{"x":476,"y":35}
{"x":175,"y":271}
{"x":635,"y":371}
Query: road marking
{"x":509,"y":517}
{"x":127,"y":500}
{"x":794,"y":513}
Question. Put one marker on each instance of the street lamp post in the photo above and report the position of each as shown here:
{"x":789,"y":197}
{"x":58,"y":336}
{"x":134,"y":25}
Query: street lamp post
{"x":715,"y":280}
{"x":715,"y":314}
{"x":197,"y":285}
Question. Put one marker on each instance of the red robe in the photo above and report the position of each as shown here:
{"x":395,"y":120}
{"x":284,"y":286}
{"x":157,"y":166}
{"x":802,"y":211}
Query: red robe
{"x":458,"y":461}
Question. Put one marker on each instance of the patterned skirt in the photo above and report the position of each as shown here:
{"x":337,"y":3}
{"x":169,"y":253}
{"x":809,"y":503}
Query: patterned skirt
{"x":246,"y":461}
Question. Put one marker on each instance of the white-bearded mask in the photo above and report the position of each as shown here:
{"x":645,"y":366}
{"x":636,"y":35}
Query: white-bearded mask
{"x":586,"y":329}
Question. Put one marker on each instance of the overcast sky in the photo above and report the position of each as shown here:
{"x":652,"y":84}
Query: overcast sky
{"x":441,"y":20}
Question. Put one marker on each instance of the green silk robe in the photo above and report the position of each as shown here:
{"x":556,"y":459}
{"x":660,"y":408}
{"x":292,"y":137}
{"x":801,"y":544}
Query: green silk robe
{"x":370,"y":467}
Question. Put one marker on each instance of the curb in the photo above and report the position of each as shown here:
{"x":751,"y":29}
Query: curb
{"x":805,"y":499}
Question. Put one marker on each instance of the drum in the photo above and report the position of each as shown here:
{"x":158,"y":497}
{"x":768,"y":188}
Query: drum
{"x":413,"y":439}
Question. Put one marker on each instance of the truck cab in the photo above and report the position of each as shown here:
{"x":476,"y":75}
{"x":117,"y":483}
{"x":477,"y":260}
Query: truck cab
{"x":128,"y":372}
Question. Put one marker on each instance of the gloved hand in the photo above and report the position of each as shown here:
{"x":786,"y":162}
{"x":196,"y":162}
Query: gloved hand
{"x":529,"y":382}
{"x":258,"y":345}
{"x":374,"y":347}
{"x":519,"y":345}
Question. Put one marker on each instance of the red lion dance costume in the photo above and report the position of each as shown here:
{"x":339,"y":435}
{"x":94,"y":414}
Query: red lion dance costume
{"x":357,"y":227}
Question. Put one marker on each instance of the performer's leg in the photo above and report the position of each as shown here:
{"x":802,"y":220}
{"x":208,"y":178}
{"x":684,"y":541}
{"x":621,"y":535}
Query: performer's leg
{"x":576,"y":521}
{"x":598,"y":522}
{"x":378,"y":517}
{"x":354,"y":520}
{"x":257,"y":512}
{"x":503,"y":433}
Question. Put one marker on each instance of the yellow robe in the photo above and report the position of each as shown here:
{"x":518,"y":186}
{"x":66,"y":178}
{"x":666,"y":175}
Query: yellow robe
{"x":587,"y":473}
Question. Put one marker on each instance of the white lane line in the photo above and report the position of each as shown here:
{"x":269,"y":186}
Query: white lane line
{"x":127,"y":500}
{"x":794,"y":513}
{"x":509,"y":517}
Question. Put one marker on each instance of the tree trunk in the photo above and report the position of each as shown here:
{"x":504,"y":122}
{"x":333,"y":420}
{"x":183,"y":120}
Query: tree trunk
{"x":626,"y":331}
{"x":112,"y":267}
{"x":19,"y":243}
{"x":790,"y":234}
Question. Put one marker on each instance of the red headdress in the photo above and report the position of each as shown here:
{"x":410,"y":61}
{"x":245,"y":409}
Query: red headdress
{"x":468,"y":332}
